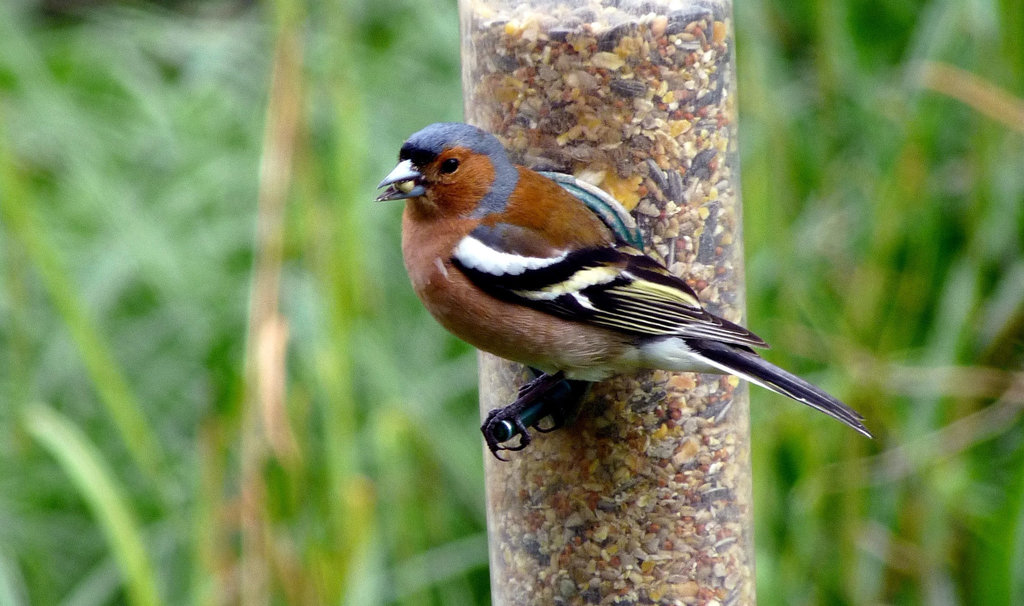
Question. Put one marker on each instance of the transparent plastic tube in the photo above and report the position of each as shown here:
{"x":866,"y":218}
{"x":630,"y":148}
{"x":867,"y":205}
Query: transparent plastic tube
{"x":645,"y":497}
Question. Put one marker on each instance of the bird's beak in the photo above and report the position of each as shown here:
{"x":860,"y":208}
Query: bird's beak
{"x":402,"y":182}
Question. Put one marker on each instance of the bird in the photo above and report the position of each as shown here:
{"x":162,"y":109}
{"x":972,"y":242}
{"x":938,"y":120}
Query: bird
{"x":516,"y":264}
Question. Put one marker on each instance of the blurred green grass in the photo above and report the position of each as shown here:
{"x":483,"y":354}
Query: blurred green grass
{"x":145,"y":461}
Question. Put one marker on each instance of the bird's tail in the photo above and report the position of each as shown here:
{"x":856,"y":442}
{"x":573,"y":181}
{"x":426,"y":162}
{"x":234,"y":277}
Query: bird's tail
{"x":752,"y":367}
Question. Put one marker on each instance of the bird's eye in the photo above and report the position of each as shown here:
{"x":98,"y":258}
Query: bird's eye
{"x":449,"y":166}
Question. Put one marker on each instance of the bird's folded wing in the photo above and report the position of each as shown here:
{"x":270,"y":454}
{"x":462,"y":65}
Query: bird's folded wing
{"x":617,"y":287}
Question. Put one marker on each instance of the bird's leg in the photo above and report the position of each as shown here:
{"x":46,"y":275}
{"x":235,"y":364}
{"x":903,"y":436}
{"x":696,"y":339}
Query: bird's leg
{"x":502,"y":424}
{"x":546,"y":395}
{"x":562,"y":403}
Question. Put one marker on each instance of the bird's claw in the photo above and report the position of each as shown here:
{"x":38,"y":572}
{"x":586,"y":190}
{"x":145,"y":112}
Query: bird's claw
{"x":501,"y":425}
{"x":536,"y":401}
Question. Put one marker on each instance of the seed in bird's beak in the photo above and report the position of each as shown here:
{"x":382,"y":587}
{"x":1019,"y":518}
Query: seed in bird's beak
{"x":402,"y":182}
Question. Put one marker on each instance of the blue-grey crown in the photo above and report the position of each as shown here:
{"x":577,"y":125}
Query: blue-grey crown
{"x":424,"y":145}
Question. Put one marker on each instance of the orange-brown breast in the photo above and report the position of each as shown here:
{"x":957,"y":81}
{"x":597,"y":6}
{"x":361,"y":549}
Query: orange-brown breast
{"x":511,"y":331}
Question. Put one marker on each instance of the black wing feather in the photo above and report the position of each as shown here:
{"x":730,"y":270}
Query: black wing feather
{"x":617,"y":287}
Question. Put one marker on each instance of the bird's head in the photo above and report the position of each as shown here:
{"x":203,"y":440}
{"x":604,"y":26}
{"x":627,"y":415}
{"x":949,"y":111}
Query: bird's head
{"x":452,"y":168}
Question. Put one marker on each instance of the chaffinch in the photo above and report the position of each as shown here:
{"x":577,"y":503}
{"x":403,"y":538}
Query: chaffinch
{"x":518,"y":264}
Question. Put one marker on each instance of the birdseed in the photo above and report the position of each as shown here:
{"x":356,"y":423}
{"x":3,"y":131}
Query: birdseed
{"x":645,"y":498}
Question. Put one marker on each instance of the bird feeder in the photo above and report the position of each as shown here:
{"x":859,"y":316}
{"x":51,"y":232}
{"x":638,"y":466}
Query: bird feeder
{"x":645,"y":497}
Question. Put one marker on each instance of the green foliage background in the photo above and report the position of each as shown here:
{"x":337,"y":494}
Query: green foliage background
{"x":186,"y":205}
